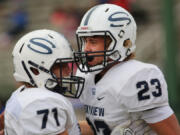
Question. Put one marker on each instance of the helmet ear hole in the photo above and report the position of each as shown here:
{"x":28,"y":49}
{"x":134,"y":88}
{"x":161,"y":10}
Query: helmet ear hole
{"x":127,"y":43}
{"x":34,"y":70}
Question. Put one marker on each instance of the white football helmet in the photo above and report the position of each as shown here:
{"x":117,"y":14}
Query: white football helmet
{"x":39,"y":50}
{"x":106,"y":20}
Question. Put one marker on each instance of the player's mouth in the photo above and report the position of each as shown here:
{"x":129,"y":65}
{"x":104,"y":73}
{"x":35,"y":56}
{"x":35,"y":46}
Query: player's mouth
{"x":90,"y":58}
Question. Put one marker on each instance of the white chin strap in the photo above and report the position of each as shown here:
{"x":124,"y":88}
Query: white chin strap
{"x":96,"y":67}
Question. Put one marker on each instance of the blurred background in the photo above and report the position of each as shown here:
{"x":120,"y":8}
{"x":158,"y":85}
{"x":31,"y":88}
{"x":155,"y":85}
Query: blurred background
{"x":158,"y":34}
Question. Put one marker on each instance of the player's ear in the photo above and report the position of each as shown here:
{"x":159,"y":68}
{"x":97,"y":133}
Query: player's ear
{"x":127,"y":43}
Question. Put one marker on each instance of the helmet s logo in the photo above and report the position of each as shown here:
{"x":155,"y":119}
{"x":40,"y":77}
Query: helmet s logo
{"x":41,"y":45}
{"x":122,"y":20}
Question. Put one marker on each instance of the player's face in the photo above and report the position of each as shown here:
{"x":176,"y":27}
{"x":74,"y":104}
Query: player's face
{"x":92,"y":44}
{"x":63,"y":69}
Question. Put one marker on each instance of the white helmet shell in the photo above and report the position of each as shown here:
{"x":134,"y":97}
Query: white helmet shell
{"x":42,"y":47}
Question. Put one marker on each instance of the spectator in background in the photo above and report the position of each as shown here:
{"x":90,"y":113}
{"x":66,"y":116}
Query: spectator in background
{"x":123,"y":3}
{"x":65,"y":21}
{"x":16,"y":24}
{"x":1,"y":1}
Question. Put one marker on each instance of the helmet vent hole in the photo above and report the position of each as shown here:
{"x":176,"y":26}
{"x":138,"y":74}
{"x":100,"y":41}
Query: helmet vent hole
{"x":107,"y":10}
{"x":21,"y":48}
{"x":34,"y":70}
{"x":127,"y":43}
{"x":121,"y":33}
{"x":50,"y":36}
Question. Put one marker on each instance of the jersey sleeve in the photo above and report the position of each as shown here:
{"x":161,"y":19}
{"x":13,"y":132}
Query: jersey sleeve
{"x":157,"y":114}
{"x":145,"y":89}
{"x":43,"y":117}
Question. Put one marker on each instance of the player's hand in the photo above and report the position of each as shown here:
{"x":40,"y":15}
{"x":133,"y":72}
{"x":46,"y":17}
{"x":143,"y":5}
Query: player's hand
{"x":123,"y":129}
{"x":2,"y":132}
{"x":118,"y":130}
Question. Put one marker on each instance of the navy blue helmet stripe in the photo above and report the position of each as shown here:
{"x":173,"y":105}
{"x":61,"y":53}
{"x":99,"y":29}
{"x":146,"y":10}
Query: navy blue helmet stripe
{"x":88,"y":16}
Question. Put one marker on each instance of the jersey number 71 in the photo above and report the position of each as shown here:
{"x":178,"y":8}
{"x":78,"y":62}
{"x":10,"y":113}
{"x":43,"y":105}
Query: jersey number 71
{"x":45,"y":113}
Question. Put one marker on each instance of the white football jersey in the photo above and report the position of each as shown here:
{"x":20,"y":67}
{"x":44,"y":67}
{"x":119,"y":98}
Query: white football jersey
{"x":35,"y":111}
{"x":121,"y":96}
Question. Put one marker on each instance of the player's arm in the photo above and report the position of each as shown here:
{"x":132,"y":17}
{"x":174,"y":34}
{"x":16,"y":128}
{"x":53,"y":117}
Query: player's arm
{"x":85,"y":128}
{"x":63,"y":133}
{"x":162,"y":120}
{"x":168,"y":126}
{"x":2,"y":132}
{"x":2,"y":123}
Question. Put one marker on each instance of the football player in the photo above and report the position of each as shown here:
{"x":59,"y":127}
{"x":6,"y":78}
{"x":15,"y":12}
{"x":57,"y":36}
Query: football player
{"x":43,"y":64}
{"x":121,"y":95}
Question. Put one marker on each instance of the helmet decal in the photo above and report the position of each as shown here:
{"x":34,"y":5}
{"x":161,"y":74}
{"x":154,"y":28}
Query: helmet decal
{"x":122,"y":19}
{"x":37,"y":42}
